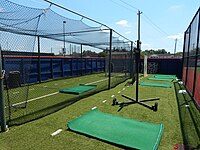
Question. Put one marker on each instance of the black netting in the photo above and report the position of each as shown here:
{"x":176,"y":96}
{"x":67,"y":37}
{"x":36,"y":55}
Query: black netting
{"x":44,"y":52}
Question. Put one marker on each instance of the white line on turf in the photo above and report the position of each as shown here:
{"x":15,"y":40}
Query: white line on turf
{"x":94,"y":108}
{"x":35,"y":98}
{"x":96,"y":81}
{"x":104,"y":101}
{"x":113,"y":96}
{"x":56,"y":132}
{"x":49,"y":94}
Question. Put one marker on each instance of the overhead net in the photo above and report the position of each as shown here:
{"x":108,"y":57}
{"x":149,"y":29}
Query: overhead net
{"x":39,"y":44}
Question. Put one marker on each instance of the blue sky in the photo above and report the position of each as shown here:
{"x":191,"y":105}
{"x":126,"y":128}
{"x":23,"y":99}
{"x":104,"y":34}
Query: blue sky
{"x":162,"y":21}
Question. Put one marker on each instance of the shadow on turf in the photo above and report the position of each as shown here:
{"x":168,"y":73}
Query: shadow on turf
{"x":24,"y":118}
{"x":189,"y":118}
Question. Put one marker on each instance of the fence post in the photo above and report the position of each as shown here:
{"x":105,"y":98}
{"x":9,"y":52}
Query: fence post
{"x":39,"y":65}
{"x":2,"y":103}
{"x":109,"y":61}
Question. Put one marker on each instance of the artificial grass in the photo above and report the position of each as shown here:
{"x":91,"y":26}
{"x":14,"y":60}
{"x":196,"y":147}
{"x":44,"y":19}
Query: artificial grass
{"x":189,"y":118}
{"x":37,"y":134}
{"x":49,"y":104}
{"x":82,"y":88}
{"x":153,"y":84}
{"x":119,"y":130}
{"x":161,"y":79}
{"x":165,"y":76}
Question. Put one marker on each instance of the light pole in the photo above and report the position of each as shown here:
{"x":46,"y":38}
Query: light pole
{"x":64,"y":51}
{"x":175,"y":47}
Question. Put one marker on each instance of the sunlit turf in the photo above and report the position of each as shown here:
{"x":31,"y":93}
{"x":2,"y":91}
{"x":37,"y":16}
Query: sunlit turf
{"x":37,"y":134}
{"x":44,"y":98}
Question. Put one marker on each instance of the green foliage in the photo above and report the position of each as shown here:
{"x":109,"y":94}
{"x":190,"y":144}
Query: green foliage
{"x":102,"y":54}
{"x":151,"y":51}
{"x":89,"y":53}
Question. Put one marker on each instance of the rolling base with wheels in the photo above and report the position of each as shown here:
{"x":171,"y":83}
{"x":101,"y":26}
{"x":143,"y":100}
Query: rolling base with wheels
{"x":133,"y":101}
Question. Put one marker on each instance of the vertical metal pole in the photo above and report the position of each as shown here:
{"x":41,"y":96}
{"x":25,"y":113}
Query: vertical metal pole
{"x":188,"y":46}
{"x":196,"y":57}
{"x":64,"y":50}
{"x":183,"y":56}
{"x":81,"y":59}
{"x":131,"y":62}
{"x":139,"y":13}
{"x":137,"y":69}
{"x":109,"y":61}
{"x":2,"y":103}
{"x":137,"y":53}
{"x":175,"y":47}
{"x":39,"y":65}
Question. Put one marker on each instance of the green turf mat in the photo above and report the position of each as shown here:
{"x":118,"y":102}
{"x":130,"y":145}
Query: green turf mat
{"x":165,"y":76}
{"x":161,"y":79}
{"x":82,"y":88}
{"x":156,"y":84}
{"x":119,"y":130}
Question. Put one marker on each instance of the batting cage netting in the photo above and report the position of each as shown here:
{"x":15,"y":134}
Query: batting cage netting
{"x":44,"y":52}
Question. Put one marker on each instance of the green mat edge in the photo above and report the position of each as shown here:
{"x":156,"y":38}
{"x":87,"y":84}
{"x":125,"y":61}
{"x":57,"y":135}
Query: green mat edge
{"x":161,"y":79}
{"x":167,"y":85}
{"x":159,"y":136}
{"x":165,"y":75}
{"x":155,"y":147}
{"x":77,"y":93}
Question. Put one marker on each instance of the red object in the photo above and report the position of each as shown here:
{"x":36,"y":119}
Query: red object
{"x":197,"y":88}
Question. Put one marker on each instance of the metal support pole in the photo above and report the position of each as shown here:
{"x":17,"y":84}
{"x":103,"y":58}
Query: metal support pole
{"x":137,"y":53}
{"x":188,"y":46}
{"x":131,"y":62}
{"x":137,"y":68}
{"x":81,"y":59}
{"x":39,"y":65}
{"x":64,"y":49}
{"x":109,"y":63}
{"x":175,"y":47}
{"x":196,"y":58}
{"x":183,"y":56}
{"x":2,"y":103}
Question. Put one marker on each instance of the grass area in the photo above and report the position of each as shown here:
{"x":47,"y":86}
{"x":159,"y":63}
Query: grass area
{"x":37,"y":134}
{"x":189,"y":118}
{"x":44,"y":98}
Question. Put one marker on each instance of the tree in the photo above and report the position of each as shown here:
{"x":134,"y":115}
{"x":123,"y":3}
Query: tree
{"x":89,"y":53}
{"x":102,"y":54}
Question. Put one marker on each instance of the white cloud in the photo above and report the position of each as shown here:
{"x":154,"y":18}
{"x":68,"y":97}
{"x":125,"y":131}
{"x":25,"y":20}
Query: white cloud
{"x":123,"y":23}
{"x":175,"y":7}
{"x":177,"y":36}
{"x":128,"y":32}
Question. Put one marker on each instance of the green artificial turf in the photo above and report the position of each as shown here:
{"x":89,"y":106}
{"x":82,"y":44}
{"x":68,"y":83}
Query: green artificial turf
{"x":161,"y":79}
{"x":82,"y":88}
{"x":119,"y":130}
{"x":153,"y":84}
{"x":37,"y":134}
{"x":44,"y":98}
